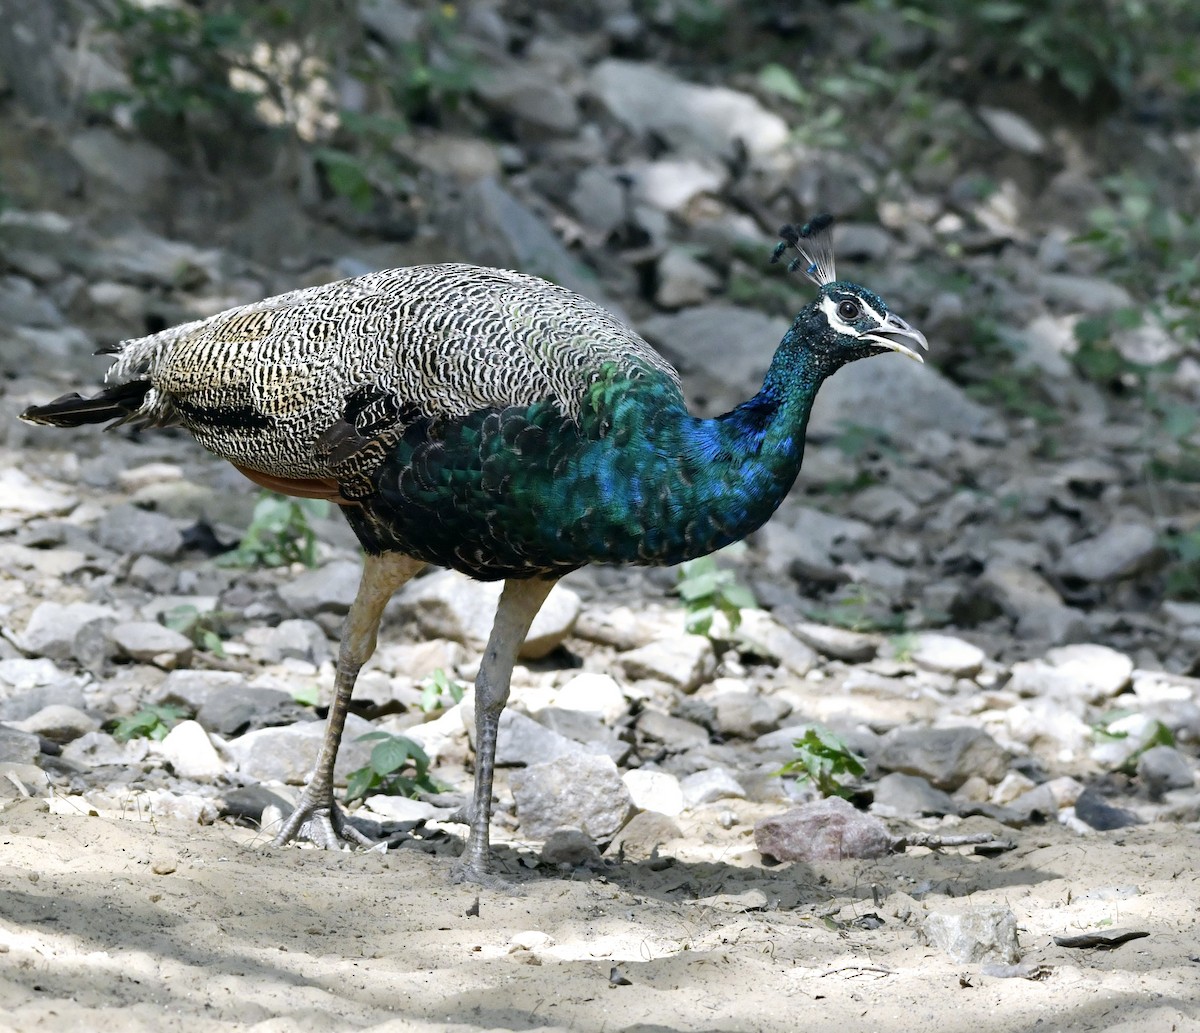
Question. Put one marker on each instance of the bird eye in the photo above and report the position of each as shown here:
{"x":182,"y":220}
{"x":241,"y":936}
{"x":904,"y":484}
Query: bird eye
{"x":849,"y":311}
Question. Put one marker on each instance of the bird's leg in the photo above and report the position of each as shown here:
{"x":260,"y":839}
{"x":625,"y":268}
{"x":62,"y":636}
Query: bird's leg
{"x":519,"y":604}
{"x":316,"y":816}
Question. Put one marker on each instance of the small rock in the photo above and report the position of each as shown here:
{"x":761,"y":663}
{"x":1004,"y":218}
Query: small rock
{"x":909,"y":796}
{"x":528,"y":96}
{"x":932,"y":402}
{"x":569,"y":848}
{"x":1017,"y":589}
{"x":644,"y":835}
{"x":826,"y":830}
{"x":683,"y":280}
{"x":1162,"y":768}
{"x":578,"y":791}
{"x":684,"y":662}
{"x":329,"y":589}
{"x":190,"y":752}
{"x":711,"y":120}
{"x":593,"y":693}
{"x":759,"y":634}
{"x":947,"y":654}
{"x":1049,"y":798}
{"x":1013,"y":130}
{"x":1092,"y":809}
{"x":18,"y":747}
{"x":947,"y":757}
{"x":297,"y":639}
{"x":149,"y":642}
{"x":402,"y":809}
{"x":654,"y":791}
{"x":862,"y":241}
{"x":131,"y":530}
{"x":58,"y":723}
{"x":494,"y":227}
{"x":1083,"y":293}
{"x":676,"y":733}
{"x":52,"y":627}
{"x":99,"y":749}
{"x":288,"y":754}
{"x":697,"y":340}
{"x":584,"y":728}
{"x":520,"y":740}
{"x":671,"y":184}
{"x":1120,"y":551}
{"x":528,"y":940}
{"x":452,"y":606}
{"x":978,"y":933}
{"x":881,"y":505}
{"x":838,"y":643}
{"x":747,"y":715}
{"x":223,"y":703}
{"x":1011,"y":786}
{"x":1086,"y":671}
{"x":19,"y":494}
{"x":712,"y":784}
{"x":21,"y":781}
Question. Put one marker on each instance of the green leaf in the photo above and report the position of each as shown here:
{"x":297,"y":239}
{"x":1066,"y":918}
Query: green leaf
{"x":776,"y":79}
{"x":699,"y":586}
{"x":309,"y":696}
{"x":360,"y":782}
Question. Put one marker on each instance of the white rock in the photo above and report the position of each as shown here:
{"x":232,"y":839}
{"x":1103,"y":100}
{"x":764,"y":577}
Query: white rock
{"x":451,"y":605}
{"x":712,"y":784}
{"x":593,"y":693}
{"x":947,"y":654}
{"x":654,"y":791}
{"x":711,"y":119}
{"x":685,"y":662}
{"x":1012,"y":130}
{"x":58,"y":723}
{"x":19,"y":494}
{"x":150,"y":642}
{"x":1087,"y":671}
{"x":52,"y":627}
{"x":191,"y":753}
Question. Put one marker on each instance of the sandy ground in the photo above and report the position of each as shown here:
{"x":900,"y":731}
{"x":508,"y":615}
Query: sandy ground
{"x":121,"y":924}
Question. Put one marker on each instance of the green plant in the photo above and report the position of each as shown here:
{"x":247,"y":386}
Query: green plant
{"x":1153,"y":733}
{"x":438,"y":688}
{"x":1087,"y":46}
{"x":391,"y":756}
{"x":824,"y":759}
{"x":151,"y":722}
{"x":178,"y":59}
{"x":1183,"y":570}
{"x":279,"y":533}
{"x":706,"y":588}
{"x":436,"y":71}
{"x":307,"y":696}
{"x":856,"y":608}
{"x":204,"y":629}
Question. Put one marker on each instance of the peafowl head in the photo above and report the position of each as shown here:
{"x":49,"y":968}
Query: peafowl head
{"x":846,"y":321}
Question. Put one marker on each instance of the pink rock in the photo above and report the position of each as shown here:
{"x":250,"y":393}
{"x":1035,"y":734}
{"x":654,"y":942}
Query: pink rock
{"x":826,"y":830}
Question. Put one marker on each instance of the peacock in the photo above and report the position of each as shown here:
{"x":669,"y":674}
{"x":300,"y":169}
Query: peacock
{"x":491,"y":422}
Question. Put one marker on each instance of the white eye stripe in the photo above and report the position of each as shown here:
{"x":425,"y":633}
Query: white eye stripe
{"x":830,"y":305}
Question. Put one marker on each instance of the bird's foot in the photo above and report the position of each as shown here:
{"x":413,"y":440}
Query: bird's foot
{"x":475,"y":866}
{"x":461,"y":872}
{"x":323,"y":823}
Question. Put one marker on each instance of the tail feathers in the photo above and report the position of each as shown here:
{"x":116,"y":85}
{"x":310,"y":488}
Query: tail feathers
{"x":122,"y":403}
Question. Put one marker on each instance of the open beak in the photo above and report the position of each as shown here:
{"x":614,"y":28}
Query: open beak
{"x":898,"y":336}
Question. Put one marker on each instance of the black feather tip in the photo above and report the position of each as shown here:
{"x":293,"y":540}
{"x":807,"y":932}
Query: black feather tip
{"x":814,"y":243}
